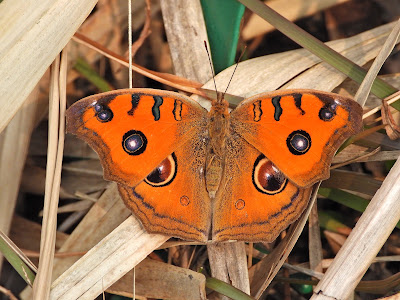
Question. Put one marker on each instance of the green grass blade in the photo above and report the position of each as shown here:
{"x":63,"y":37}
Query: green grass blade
{"x":226,"y":289}
{"x":86,"y":71}
{"x":353,"y":201}
{"x":18,"y":264}
{"x":306,"y":40}
{"x":222,"y":19}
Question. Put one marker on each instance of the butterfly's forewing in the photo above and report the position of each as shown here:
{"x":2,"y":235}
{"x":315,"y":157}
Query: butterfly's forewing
{"x":133,"y":131}
{"x":298,"y":130}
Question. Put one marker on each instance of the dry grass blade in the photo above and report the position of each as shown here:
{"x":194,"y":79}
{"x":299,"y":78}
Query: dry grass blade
{"x":383,"y":286}
{"x":36,"y":35}
{"x":14,"y":145}
{"x":364,"y":157}
{"x":364,"y":242}
{"x":152,"y":282}
{"x":104,"y":216}
{"x":73,"y":207}
{"x":41,"y":287}
{"x":353,"y":181}
{"x":108,"y":261}
{"x":314,"y":240}
{"x":391,"y":99}
{"x":303,"y":270}
{"x":296,"y":10}
{"x":365,"y":87}
{"x":329,"y":55}
{"x":381,"y":156}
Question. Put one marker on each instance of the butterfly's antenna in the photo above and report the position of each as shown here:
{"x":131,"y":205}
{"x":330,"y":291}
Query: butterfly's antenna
{"x":211,"y":66}
{"x":240,"y":57}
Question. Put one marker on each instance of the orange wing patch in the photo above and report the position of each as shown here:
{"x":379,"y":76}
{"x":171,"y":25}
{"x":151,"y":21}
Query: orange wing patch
{"x":133,"y":132}
{"x":299,"y":131}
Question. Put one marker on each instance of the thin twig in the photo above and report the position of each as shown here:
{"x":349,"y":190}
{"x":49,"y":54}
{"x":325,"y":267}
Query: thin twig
{"x":181,"y":83}
{"x":8,"y":293}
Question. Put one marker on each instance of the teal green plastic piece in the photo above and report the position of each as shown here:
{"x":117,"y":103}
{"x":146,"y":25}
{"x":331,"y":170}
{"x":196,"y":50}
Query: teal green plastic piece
{"x":222,"y":19}
{"x":303,"y":289}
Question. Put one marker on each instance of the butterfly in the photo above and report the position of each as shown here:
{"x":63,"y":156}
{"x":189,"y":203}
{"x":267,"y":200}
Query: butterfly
{"x":215,"y":175}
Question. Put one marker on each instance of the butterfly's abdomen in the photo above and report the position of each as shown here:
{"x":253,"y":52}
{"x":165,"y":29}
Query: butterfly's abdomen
{"x":215,"y":161}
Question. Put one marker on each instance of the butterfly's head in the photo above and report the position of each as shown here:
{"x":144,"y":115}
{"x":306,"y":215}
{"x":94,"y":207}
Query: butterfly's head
{"x":220,"y":96}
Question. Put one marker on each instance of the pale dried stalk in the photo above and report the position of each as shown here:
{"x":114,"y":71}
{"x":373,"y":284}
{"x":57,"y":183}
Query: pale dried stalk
{"x":228,"y":263}
{"x":41,"y":286}
{"x":186,"y":33}
{"x":33,"y":33}
{"x":364,"y":242}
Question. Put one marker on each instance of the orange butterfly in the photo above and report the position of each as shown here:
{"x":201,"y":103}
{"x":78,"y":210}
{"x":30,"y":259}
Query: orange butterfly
{"x":199,"y":175}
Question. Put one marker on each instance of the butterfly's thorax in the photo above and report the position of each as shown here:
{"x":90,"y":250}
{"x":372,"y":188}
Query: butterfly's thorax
{"x":217,"y":130}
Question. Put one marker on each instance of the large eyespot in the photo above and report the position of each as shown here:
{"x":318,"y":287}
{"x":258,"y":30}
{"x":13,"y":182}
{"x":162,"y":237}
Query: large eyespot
{"x":164,"y":174}
{"x":267,"y":178}
{"x":134,"y":142}
{"x":298,"y":142}
{"x":327,"y":112}
{"x":103,"y":113}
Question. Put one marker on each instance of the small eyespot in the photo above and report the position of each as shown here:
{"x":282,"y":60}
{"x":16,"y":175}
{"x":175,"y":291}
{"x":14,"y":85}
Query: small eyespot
{"x":267,"y":178}
{"x":327,"y":113}
{"x":134,"y":142}
{"x":333,"y":106}
{"x":164,"y":174}
{"x":298,"y":142}
{"x":184,"y":201}
{"x":103,"y":113}
{"x":240,"y":204}
{"x":98,"y":107}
